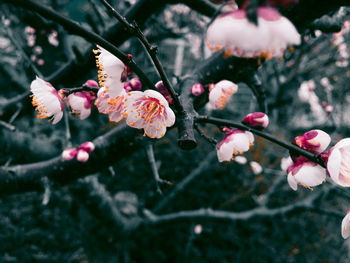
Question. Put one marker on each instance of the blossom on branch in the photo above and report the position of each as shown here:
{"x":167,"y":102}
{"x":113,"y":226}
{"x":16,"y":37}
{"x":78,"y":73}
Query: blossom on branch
{"x":112,"y":72}
{"x":314,"y":141}
{"x":80,"y":103}
{"x":235,"y":142}
{"x":233,"y":32}
{"x":46,"y":100}
{"x":305,"y":173}
{"x":197,"y":89}
{"x":148,"y":110}
{"x":338,"y":164}
{"x":221,"y":93}
{"x":256,"y":120}
{"x":111,"y":106}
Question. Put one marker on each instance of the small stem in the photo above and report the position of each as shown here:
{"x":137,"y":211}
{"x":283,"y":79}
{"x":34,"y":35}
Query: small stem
{"x":151,"y":50}
{"x":290,"y":147}
{"x":202,"y":134}
{"x":82,"y":88}
{"x":152,"y":161}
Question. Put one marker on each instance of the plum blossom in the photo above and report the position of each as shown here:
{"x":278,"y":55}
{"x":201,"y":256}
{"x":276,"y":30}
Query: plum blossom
{"x":80,"y":103}
{"x":233,"y":32}
{"x":305,"y":173}
{"x":46,"y":100}
{"x":133,"y":84}
{"x":256,"y":120}
{"x":81,"y":153}
{"x":315,"y":141}
{"x":220,"y":93}
{"x":338,"y":164}
{"x":148,"y":110}
{"x":286,"y":162}
{"x":235,"y":142}
{"x":111,"y":73}
{"x":345,"y":225}
{"x":111,"y":106}
{"x":197,"y":89}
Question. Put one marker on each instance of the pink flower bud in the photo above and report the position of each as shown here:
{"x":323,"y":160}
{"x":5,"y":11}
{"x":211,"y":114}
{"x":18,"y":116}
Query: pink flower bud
{"x":315,"y":141}
{"x":29,"y":30}
{"x":41,"y":62}
{"x":160,"y":86}
{"x":197,"y":89}
{"x":82,"y":156}
{"x":87,"y":146}
{"x":256,"y":120}
{"x":69,"y":154}
{"x":135,"y":84}
{"x":91,"y":83}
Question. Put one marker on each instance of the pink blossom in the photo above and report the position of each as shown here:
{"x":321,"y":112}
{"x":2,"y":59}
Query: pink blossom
{"x":305,"y":173}
{"x":80,"y":103}
{"x":235,"y":142}
{"x":87,"y":146}
{"x":338,"y":165}
{"x":233,"y":32}
{"x":150,"y":111}
{"x":221,"y":93}
{"x":197,"y":89}
{"x":110,"y":73}
{"x":256,"y":120}
{"x":46,"y":100}
{"x":286,"y":162}
{"x":52,"y":38}
{"x":111,"y":106}
{"x":315,"y":141}
{"x":345,"y":225}
{"x":91,"y":83}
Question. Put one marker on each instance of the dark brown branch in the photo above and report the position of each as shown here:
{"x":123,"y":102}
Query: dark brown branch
{"x":290,"y":147}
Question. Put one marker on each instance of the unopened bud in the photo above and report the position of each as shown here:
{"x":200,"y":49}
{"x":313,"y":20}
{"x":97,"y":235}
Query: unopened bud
{"x":135,"y":84}
{"x":257,"y":120}
{"x":87,"y":146}
{"x":314,"y":141}
{"x":197,"y":89}
{"x":69,"y":154}
{"x":91,"y":83}
{"x":82,"y":156}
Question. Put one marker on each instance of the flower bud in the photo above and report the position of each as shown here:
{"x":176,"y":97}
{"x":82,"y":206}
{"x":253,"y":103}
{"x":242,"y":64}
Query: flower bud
{"x":160,"y":86}
{"x":314,"y":141}
{"x":135,"y":84}
{"x":69,"y":154}
{"x":197,"y":89}
{"x":87,"y":146}
{"x":91,"y":83}
{"x":256,"y":120}
{"x":82,"y":156}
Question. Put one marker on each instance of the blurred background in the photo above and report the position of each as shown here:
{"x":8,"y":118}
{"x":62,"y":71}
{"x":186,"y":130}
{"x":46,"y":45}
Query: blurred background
{"x":308,"y":89}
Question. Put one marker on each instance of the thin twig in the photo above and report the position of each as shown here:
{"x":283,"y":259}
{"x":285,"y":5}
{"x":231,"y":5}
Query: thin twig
{"x":7,"y":125}
{"x":152,"y":161}
{"x":75,"y":28}
{"x":212,"y":141}
{"x":204,"y":165}
{"x":82,"y":88}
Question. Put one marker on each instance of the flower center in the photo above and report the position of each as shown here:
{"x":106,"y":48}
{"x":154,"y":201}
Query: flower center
{"x":224,"y":98}
{"x":150,"y":109}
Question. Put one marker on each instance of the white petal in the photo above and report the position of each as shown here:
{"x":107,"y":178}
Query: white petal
{"x":311,"y":175}
{"x":345,"y":226}
{"x":157,"y":95}
{"x":333,"y":165}
{"x":292,"y":182}
{"x":225,"y":152}
{"x":170,"y":117}
{"x":57,"y":117}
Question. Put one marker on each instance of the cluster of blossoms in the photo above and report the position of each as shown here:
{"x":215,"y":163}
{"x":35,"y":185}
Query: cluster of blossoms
{"x":234,"y":33}
{"x":118,"y":98}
